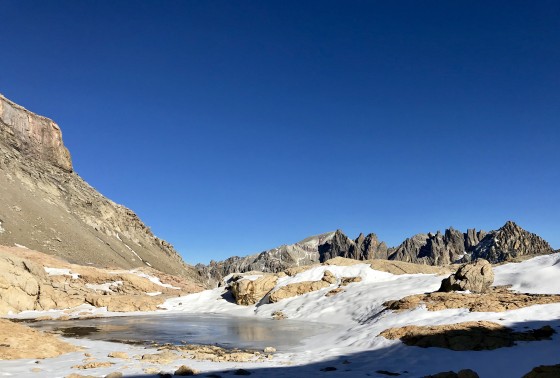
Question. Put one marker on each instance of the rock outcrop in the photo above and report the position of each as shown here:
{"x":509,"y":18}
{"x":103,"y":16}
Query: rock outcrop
{"x":475,"y":277}
{"x":31,"y":280}
{"x":362,"y":248}
{"x":47,"y":207}
{"x":480,"y":335}
{"x":495,"y":299}
{"x":248,"y":291}
{"x":32,"y":135}
{"x":301,"y":288}
{"x":510,"y":242}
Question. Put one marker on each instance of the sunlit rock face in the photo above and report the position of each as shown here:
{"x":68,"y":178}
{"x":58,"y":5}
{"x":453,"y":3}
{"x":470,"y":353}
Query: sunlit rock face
{"x":33,"y":135}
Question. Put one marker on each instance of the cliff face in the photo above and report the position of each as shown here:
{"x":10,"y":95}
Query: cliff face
{"x":47,"y":207}
{"x":32,"y":135}
{"x":362,"y":248}
{"x":445,"y":248}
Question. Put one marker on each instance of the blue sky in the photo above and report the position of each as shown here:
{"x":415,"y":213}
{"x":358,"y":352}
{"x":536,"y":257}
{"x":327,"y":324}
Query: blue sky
{"x":232,"y":127}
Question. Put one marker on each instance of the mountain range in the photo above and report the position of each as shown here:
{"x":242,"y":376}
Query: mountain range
{"x":508,"y":243}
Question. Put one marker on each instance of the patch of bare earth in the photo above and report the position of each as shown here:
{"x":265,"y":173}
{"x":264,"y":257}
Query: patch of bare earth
{"x":496,"y":299}
{"x":481,"y":335}
{"x":19,"y":341}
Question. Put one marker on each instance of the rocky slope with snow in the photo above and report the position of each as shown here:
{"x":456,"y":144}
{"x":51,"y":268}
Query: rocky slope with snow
{"x":374,"y":323}
{"x":47,"y":207}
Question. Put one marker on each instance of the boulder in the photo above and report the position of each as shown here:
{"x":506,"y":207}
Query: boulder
{"x":250,"y":291}
{"x":475,"y":277}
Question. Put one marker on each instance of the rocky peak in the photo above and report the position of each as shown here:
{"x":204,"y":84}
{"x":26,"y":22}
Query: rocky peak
{"x":437,"y":248}
{"x":33,"y":135}
{"x":509,"y":242}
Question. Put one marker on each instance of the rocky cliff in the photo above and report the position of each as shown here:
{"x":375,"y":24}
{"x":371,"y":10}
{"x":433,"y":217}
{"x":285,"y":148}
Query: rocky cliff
{"x":445,"y":248}
{"x":362,"y":248}
{"x":510,"y":242}
{"x":47,"y":207}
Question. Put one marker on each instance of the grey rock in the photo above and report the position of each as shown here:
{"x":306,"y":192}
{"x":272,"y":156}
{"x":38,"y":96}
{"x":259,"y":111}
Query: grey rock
{"x":510,"y":242}
{"x":475,"y":277}
{"x":437,"y":249}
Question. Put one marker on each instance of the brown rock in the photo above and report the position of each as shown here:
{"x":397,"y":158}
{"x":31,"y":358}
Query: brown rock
{"x":248,"y":292}
{"x":92,"y":365}
{"x":115,"y":374}
{"x":278,"y":315}
{"x":185,"y":370}
{"x":161,"y":358}
{"x":329,"y":277}
{"x":121,"y":355}
{"x":295,"y":289}
{"x":19,"y":341}
{"x":125,"y":303}
{"x":496,"y":299}
{"x":334,"y":292}
{"x":348,"y":280}
{"x":475,"y":277}
{"x":481,"y":335}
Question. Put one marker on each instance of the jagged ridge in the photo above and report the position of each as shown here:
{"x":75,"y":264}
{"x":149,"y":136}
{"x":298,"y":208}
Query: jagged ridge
{"x":451,"y":246}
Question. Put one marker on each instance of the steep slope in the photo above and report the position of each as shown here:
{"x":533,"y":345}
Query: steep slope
{"x":47,"y":207}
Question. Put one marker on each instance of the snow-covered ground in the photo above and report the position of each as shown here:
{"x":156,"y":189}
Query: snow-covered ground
{"x":352,"y":346}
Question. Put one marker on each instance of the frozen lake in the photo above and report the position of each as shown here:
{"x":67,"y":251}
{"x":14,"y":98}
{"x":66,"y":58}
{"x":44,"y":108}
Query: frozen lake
{"x":224,"y":331}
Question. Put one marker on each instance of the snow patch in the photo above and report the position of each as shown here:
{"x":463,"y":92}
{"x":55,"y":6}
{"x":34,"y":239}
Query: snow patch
{"x":61,"y":272}
{"x":133,"y":251}
{"x":105,"y":287}
{"x":153,"y":279}
{"x":539,"y":275}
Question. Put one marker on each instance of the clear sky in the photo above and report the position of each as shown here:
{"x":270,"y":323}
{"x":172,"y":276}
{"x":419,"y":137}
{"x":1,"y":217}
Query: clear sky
{"x":232,"y":127}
